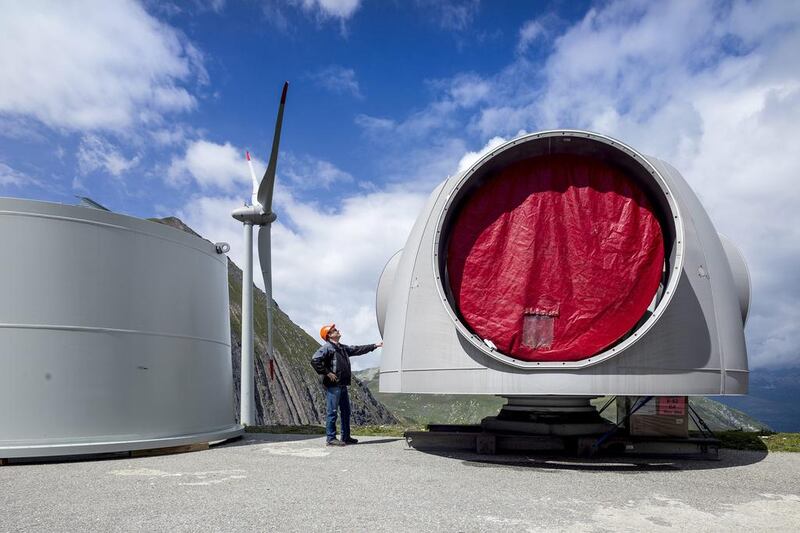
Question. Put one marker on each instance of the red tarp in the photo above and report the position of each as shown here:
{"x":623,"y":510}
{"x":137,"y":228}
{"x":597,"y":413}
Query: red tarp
{"x":555,"y":258}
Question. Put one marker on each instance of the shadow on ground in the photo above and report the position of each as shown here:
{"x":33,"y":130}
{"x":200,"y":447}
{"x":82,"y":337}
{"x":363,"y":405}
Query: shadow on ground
{"x":247,"y":439}
{"x":630,"y":464}
{"x":250,"y":439}
{"x":363,"y":442}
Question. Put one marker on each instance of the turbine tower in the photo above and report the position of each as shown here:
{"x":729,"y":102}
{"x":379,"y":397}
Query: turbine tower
{"x":259,"y":213}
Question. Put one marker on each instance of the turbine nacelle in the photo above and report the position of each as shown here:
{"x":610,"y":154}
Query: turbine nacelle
{"x":254,"y":214}
{"x":505,"y":283}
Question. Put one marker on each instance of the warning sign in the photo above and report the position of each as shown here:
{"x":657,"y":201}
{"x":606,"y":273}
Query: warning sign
{"x":671,"y":405}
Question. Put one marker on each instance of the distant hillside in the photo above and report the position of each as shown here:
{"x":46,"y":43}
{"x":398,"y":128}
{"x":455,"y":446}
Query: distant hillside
{"x":295,"y":395}
{"x":433,"y":408}
{"x":772,"y":397}
{"x":470,"y":409}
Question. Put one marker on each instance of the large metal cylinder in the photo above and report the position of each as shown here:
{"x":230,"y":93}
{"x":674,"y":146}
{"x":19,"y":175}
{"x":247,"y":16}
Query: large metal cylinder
{"x":114,"y":334}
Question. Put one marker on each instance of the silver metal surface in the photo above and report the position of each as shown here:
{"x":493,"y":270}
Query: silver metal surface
{"x":693,"y":343}
{"x":741,"y":274}
{"x":247,"y":411}
{"x":384,"y":287}
{"x":114,"y":334}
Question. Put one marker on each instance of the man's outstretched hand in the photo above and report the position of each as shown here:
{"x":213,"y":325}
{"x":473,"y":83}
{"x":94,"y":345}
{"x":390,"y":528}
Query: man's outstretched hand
{"x":379,"y":344}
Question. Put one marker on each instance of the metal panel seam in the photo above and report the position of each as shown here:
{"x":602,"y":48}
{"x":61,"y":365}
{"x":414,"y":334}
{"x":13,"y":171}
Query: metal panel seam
{"x":92,"y":329}
{"x":114,"y":226}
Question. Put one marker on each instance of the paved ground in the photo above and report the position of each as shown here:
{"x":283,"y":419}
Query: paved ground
{"x":295,"y":483}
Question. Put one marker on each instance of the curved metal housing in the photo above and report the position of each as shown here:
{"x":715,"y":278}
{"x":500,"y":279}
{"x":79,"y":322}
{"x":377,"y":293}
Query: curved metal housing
{"x":114,"y":334}
{"x":691,"y":341}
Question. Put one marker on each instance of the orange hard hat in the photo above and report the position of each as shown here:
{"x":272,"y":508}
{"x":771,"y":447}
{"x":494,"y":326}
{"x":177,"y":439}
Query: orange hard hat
{"x":324,"y":330}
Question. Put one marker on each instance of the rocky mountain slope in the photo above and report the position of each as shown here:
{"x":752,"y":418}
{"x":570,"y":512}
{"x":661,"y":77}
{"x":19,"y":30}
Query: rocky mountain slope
{"x":295,"y":395}
{"x":470,"y":409}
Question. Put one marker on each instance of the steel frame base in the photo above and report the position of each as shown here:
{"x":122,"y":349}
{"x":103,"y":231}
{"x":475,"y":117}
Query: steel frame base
{"x":475,"y":439}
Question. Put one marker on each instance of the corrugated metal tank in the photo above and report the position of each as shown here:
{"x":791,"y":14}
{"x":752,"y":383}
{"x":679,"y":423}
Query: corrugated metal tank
{"x":114,"y":334}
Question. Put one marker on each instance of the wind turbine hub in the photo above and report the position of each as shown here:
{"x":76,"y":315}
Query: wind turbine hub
{"x":254,"y":214}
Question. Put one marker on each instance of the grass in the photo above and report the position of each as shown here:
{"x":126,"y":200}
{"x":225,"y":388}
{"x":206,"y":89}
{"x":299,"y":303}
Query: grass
{"x":782,"y":442}
{"x":732,"y":440}
{"x":741,"y":440}
{"x":754,"y":441}
{"x":385,"y":431}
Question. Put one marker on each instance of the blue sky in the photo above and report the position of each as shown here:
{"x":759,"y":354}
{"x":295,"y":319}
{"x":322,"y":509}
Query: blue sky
{"x":148,"y":108}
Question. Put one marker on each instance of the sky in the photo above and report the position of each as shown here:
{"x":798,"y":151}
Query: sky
{"x":148,"y":108}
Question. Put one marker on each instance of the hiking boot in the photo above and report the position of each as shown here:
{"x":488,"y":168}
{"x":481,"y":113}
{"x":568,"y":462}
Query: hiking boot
{"x":350,"y":440}
{"x":335,"y":442}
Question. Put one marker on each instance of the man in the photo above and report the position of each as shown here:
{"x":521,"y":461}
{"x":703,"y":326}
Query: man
{"x":332,"y":362}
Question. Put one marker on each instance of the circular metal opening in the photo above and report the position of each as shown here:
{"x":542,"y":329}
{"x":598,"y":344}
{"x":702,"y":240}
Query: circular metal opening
{"x":527,"y":321}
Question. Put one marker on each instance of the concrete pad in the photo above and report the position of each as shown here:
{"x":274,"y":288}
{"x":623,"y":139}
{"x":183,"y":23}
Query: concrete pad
{"x":296,"y":483}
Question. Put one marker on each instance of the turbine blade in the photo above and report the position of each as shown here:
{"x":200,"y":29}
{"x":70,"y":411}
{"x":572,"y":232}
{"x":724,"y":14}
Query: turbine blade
{"x":268,"y":181}
{"x":252,"y":176}
{"x":265,"y":259}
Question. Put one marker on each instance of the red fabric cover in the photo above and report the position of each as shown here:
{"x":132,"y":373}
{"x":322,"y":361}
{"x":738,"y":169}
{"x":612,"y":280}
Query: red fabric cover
{"x":571,"y":241}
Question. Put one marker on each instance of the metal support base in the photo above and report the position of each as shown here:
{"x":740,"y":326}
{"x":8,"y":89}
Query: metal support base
{"x":547,"y":415}
{"x":569,"y":425}
{"x":474,"y":439}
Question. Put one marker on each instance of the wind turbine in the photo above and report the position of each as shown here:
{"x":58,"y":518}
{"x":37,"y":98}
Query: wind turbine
{"x":260,"y":214}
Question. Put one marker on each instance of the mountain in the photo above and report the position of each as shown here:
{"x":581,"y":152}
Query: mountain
{"x":433,"y":408}
{"x":470,"y":409}
{"x":295,"y":395}
{"x":772,"y":397}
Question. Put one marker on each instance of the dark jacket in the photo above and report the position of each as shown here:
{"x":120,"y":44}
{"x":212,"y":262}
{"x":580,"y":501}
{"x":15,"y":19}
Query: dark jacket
{"x":336,"y":358}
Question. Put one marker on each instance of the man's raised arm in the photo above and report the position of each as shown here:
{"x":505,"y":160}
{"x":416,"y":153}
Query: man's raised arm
{"x":361,"y":349}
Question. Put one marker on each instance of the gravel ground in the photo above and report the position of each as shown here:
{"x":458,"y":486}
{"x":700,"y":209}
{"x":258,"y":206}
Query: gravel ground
{"x":295,"y":483}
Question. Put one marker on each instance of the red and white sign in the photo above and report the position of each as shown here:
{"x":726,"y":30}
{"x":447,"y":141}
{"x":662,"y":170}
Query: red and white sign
{"x":671,"y":405}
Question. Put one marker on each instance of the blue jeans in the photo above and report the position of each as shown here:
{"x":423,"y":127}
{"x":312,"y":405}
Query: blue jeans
{"x":336,"y":397}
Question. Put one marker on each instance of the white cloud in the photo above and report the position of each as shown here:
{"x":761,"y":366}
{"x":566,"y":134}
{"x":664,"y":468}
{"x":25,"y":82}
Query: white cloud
{"x":467,"y":90}
{"x":96,"y":153}
{"x":223,"y":167}
{"x":308,"y":172}
{"x":341,"y":9}
{"x":461,"y":92}
{"x":213,"y":166}
{"x":326,"y":257}
{"x":172,"y":135}
{"x":455,"y":15}
{"x":530,"y":32}
{"x":216,"y":5}
{"x":93,"y":65}
{"x":338,"y":79}
{"x":13,"y":177}
{"x":326,"y":262}
{"x":374,"y":125}
{"x":471,"y":157}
